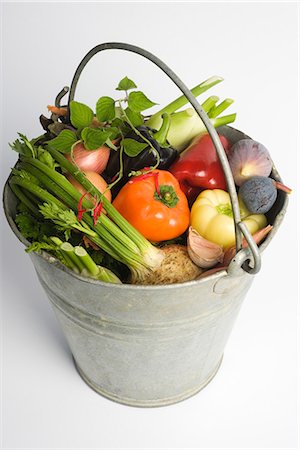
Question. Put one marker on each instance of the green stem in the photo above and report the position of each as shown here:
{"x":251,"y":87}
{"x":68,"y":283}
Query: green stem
{"x":25,"y":200}
{"x":107,"y":234}
{"x":224,"y":120}
{"x":218,"y":109}
{"x":155,"y":119}
{"x":63,"y":189}
{"x":209,"y":103}
{"x":86,"y":260}
{"x":157,"y":155}
{"x":69,"y":250}
{"x":48,"y":198}
{"x":98,"y":272}
{"x":64,"y":256}
{"x":120,"y":173}
{"x":108,"y":276}
{"x":161,"y":135}
{"x":36,"y":190}
{"x":125,"y":226}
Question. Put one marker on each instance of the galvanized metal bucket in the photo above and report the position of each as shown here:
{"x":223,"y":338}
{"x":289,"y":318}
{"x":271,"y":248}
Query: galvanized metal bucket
{"x":151,"y":345}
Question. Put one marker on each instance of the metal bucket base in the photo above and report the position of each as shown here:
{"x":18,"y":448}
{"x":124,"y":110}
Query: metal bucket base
{"x":147,"y":403}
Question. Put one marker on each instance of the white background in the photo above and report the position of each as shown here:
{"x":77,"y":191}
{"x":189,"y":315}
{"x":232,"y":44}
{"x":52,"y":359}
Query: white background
{"x":252,"y":402}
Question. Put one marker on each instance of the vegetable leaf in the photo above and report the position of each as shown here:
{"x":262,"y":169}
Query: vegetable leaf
{"x":94,"y":138}
{"x":135,"y":118}
{"x":23,"y":146}
{"x":126,"y":84}
{"x":105,"y":109}
{"x":137,"y":101}
{"x":133,"y":148}
{"x":26,"y":176}
{"x":63,"y":218}
{"x":63,"y":142}
{"x":28,"y":226}
{"x":33,"y":229}
{"x":38,"y":246}
{"x":45,"y":157}
{"x":81,"y":114}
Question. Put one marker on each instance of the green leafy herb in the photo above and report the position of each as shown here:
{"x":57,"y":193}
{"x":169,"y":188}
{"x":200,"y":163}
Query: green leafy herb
{"x":81,"y":115}
{"x":105,"y":109}
{"x":33,"y":229}
{"x":94,"y":138}
{"x":26,"y":176}
{"x":64,"y":141}
{"x":28,"y":226}
{"x":23,"y":146}
{"x":137,"y":101}
{"x":126,"y":84}
{"x":38,"y":246}
{"x":45,"y":157}
{"x":133,"y":148}
{"x":64,"y":219}
{"x":135,"y":118}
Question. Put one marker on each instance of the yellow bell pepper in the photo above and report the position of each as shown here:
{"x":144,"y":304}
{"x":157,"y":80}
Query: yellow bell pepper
{"x":212,"y":217}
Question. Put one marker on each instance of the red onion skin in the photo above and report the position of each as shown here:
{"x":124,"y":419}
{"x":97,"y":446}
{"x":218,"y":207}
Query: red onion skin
{"x":90,"y":160}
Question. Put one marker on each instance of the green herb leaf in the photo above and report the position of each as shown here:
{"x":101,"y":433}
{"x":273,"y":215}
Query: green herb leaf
{"x":28,"y":226}
{"x":126,"y":84}
{"x":39,"y":246}
{"x":133,"y":148}
{"x":114,"y":132}
{"x":135,"y":118}
{"x":33,"y":229}
{"x":137,"y":101}
{"x":63,"y":142}
{"x":23,"y":146}
{"x":45,"y":157}
{"x":105,"y":109}
{"x":94,"y":138}
{"x":26,"y":176}
{"x":81,"y":114}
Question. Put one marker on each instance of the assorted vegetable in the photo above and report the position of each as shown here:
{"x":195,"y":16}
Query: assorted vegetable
{"x":119,"y":196}
{"x":212,"y":218}
{"x":199,"y":168}
{"x":155,"y":205}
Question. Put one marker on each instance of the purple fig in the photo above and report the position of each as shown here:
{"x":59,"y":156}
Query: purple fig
{"x":248,"y":158}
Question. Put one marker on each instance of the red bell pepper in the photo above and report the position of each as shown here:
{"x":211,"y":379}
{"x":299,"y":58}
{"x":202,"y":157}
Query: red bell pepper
{"x":199,"y":168}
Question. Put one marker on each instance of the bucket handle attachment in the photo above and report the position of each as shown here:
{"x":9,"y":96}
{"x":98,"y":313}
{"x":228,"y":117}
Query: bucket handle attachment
{"x":243,"y":256}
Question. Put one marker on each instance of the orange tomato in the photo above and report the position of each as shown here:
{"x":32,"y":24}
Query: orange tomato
{"x":155,"y":205}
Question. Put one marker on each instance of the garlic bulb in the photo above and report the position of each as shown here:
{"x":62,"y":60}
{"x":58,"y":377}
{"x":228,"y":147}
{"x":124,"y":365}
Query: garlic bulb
{"x":202,"y":252}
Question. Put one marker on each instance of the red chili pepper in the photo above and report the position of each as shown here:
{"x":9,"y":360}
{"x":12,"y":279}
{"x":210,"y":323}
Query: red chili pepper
{"x":80,"y":209}
{"x":147,"y":175}
{"x":199,"y":168}
{"x":97,"y":211}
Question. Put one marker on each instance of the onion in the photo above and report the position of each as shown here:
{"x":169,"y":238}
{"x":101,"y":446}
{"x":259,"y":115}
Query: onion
{"x":96,"y":180}
{"x":90,"y":160}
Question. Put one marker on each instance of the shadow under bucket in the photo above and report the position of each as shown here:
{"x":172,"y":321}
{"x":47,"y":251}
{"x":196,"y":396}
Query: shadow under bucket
{"x":147,"y":345}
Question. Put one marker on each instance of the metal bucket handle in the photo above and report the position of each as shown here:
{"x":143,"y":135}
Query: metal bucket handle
{"x":243,"y":256}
